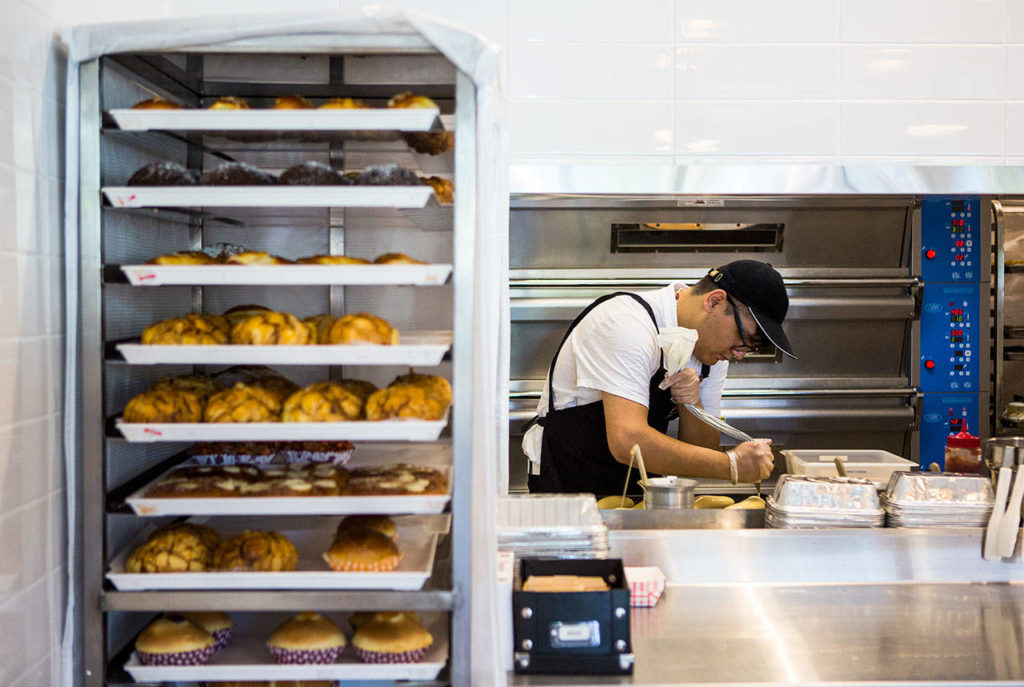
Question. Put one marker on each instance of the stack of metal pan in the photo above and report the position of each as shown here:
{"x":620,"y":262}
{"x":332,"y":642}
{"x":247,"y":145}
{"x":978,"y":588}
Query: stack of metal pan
{"x":801,"y":501}
{"x":930,"y":499}
{"x":552,"y":526}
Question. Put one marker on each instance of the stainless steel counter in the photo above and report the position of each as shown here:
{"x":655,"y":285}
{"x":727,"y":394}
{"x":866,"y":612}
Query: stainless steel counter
{"x":834,"y":634}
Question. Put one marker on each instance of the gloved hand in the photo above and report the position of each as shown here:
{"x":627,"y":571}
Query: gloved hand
{"x":754,"y":460}
{"x":685,"y":386}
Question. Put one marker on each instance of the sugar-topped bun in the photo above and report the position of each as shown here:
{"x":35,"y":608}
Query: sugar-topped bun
{"x":236,"y":174}
{"x":192,"y":329}
{"x":344,"y":104}
{"x":322,"y":402}
{"x":332,"y":260}
{"x":392,"y":638}
{"x":313,"y":173}
{"x":166,"y":405}
{"x":363,"y":550}
{"x":270,"y":329}
{"x":396,"y":259}
{"x":174,"y":641}
{"x":164,"y":173}
{"x":255,"y":257}
{"x":411,"y":100}
{"x":306,"y":637}
{"x":388,"y":175}
{"x":185,"y":257}
{"x":378,"y":523}
{"x":256,"y":550}
{"x":362,"y":328}
{"x":243,"y":403}
{"x":292,"y":102}
{"x":156,"y":103}
{"x":229,"y":102}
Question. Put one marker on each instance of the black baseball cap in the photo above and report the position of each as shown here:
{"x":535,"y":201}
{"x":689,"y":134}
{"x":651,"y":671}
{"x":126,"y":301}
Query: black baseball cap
{"x":758,"y":286}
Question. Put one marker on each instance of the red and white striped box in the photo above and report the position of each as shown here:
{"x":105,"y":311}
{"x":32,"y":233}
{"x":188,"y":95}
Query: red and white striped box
{"x":646,"y":583}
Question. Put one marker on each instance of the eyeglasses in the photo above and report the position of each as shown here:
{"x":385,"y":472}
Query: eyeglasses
{"x":748,"y":346}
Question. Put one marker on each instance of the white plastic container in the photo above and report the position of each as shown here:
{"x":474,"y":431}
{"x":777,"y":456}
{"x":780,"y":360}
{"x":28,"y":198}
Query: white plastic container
{"x":872,"y":464}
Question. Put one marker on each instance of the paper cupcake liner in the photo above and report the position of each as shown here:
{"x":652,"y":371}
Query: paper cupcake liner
{"x":305,"y":655}
{"x":178,"y":658}
{"x":383,"y":565}
{"x":221,"y":638}
{"x":414,"y":656}
{"x":334,"y":457}
{"x":233,"y":458}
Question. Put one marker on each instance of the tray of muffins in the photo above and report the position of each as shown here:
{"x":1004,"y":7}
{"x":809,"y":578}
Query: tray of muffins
{"x":378,"y":478}
{"x":368,"y":551}
{"x":364,"y":646}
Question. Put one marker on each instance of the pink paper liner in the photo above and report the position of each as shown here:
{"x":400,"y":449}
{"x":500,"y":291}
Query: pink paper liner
{"x":414,"y":656}
{"x":177,"y":658}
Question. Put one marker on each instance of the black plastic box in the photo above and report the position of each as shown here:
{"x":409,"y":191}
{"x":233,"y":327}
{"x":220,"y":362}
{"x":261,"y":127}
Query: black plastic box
{"x":572,"y":632}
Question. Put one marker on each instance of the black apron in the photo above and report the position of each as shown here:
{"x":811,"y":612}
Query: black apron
{"x":574,"y":447}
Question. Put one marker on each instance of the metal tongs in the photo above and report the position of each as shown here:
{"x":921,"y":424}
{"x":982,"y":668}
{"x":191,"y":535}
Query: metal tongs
{"x":723,"y":427}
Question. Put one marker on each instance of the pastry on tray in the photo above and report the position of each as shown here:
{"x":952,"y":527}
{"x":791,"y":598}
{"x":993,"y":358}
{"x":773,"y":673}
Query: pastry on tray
{"x":411,"y":100}
{"x":344,"y":104}
{"x":192,"y":329}
{"x":363,"y":550}
{"x":358,"y":328}
{"x":185,"y":257}
{"x":163,"y":173}
{"x":236,"y":174}
{"x":431,"y":142}
{"x":243,"y":403}
{"x":396,"y":259}
{"x":255,"y":550}
{"x":270,"y":329}
{"x":306,"y":637}
{"x":156,"y":103}
{"x":164,"y":405}
{"x":332,"y":260}
{"x":229,"y":102}
{"x":436,"y":386}
{"x":392,"y":638}
{"x":404,"y":401}
{"x":360,"y":618}
{"x":313,"y":173}
{"x":174,"y":641}
{"x":322,"y":402}
{"x":388,"y":175}
{"x":255,"y":257}
{"x":376,"y":522}
{"x":359,"y":387}
{"x":185,"y":547}
{"x":444,"y":190}
{"x":199,"y":384}
{"x":240,"y":313}
{"x":292,"y":102}
{"x":318,"y":326}
{"x":217,"y":623}
{"x":396,"y":480}
{"x":259,"y":375}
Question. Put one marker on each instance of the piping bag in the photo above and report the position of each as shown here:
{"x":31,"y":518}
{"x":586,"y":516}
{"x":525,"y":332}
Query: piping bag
{"x":677,"y":345}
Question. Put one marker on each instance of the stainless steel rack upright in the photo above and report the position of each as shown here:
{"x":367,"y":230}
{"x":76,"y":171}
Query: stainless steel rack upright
{"x":370,"y":67}
{"x":1008,"y":329}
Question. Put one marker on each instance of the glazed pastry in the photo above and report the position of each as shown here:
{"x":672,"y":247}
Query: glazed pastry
{"x":318,"y":326}
{"x":395,"y":480}
{"x":403,"y":401}
{"x":260,"y":376}
{"x":270,"y":329}
{"x":410,"y":100}
{"x":396,"y":259}
{"x":156,"y":103}
{"x":322,"y":402}
{"x":255,"y":257}
{"x":243,"y":403}
{"x":332,"y":260}
{"x":431,"y":143}
{"x":164,"y":406}
{"x":435,"y":386}
{"x":362,"y":328}
{"x":229,"y":102}
{"x":378,"y":523}
{"x":307,"y":637}
{"x":388,"y":175}
{"x":360,"y":388}
{"x":236,"y":174}
{"x":444,"y":190}
{"x":255,"y":550}
{"x":210,"y":537}
{"x":292,"y":102}
{"x":344,"y":104}
{"x":192,"y":330}
{"x":313,"y":173}
{"x":185,"y":257}
{"x":163,"y":174}
{"x":201,"y":385}
{"x":216,"y":623}
{"x":363,"y":550}
{"x":178,"y":549}
{"x":174,"y":641}
{"x":392,"y":638}
{"x":240,"y":313}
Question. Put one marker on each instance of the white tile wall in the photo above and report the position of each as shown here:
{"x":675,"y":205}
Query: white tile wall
{"x":587,"y":127}
{"x":922,"y":128}
{"x":605,"y":72}
{"x":756,"y":129}
{"x":923,"y":21}
{"x":779,"y":72}
{"x":917,"y":72}
{"x":737,"y":21}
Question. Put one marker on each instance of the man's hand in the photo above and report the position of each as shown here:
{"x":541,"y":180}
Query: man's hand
{"x":685,"y":386}
{"x":754,"y":460}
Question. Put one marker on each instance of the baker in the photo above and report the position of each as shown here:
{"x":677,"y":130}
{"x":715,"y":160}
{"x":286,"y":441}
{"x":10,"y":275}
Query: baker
{"x":602,"y":392}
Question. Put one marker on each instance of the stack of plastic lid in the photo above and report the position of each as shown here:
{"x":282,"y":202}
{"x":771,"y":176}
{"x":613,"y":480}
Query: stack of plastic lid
{"x":936,"y":499}
{"x":551,"y":526}
{"x":802,"y":501}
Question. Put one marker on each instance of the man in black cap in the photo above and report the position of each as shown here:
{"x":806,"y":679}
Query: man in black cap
{"x":602,"y":392}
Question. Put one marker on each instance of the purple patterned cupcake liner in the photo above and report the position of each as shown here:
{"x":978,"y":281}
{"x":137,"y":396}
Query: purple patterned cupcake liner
{"x":221,"y":638}
{"x":305,"y":655}
{"x":414,"y":656}
{"x":233,"y":458}
{"x":178,"y":658}
{"x":334,"y":457}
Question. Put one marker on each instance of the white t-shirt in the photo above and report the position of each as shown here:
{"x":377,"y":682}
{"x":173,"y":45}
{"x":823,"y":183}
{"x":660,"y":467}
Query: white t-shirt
{"x":614,"y":349}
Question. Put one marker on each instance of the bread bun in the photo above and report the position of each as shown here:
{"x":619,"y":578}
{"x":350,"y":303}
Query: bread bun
{"x":185,"y":257}
{"x":404,"y":401}
{"x":436,"y":387}
{"x":207,"y":535}
{"x":271,"y":329}
{"x":318,"y":326}
{"x":306,"y":637}
{"x":165,"y":405}
{"x":180,"y":550}
{"x":292,"y":102}
{"x":255,"y":550}
{"x":236,"y":174}
{"x":313,"y":173}
{"x":239,"y":313}
{"x":397,"y":638}
{"x":362,"y":550}
{"x":359,"y":387}
{"x":431,"y":142}
{"x":192,"y":329}
{"x":163,"y":174}
{"x":444,"y":190}
{"x":255,"y":257}
{"x":344,"y":104}
{"x":322,"y":402}
{"x":242,"y":403}
{"x":332,"y":260}
{"x":388,"y":175}
{"x":396,"y":259}
{"x":174,"y":641}
{"x":378,"y":523}
{"x":411,"y":100}
{"x":156,"y":103}
{"x":362,"y":328}
{"x":229,"y":102}
{"x":201,"y":385}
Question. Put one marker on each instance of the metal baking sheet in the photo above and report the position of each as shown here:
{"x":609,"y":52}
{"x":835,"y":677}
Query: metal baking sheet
{"x":247,"y":658}
{"x":415,"y":348}
{"x":164,"y":275}
{"x":269,"y":196}
{"x":357,"y":430}
{"x":416,"y":545}
{"x":369,"y":119}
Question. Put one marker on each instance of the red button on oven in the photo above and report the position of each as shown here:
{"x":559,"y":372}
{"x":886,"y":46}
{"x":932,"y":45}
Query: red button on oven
{"x":929,"y":364}
{"x":930,"y":254}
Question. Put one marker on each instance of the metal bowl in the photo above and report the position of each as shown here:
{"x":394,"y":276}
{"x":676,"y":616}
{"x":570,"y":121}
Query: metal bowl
{"x":669,"y":492}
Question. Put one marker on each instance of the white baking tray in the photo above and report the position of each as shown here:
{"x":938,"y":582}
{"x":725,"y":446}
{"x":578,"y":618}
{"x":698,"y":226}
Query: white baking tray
{"x":357,"y":430}
{"x":415,"y":543}
{"x":269,"y":196}
{"x":434,"y":455}
{"x":378,"y":275}
{"x":370,"y":119}
{"x":247,"y":658}
{"x":415,"y":348}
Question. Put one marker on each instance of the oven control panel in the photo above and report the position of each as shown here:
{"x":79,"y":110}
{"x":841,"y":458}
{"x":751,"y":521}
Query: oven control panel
{"x":950,"y":337}
{"x":950,"y":246}
{"x":942,"y":415}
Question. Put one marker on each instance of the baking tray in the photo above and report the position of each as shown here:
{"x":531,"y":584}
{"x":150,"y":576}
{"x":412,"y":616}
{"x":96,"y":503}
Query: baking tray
{"x":415,"y":348}
{"x":269,"y":196}
{"x":283,"y":275}
{"x":433,"y":455}
{"x":357,"y":430}
{"x":369,"y":119}
{"x":416,"y":543}
{"x":247,"y":658}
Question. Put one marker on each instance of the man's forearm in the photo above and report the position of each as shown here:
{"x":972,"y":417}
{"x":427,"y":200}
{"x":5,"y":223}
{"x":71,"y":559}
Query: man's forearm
{"x":693,"y":431}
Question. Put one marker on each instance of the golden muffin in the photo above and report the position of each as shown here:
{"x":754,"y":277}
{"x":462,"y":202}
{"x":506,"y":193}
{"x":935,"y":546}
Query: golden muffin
{"x":177,"y":550}
{"x":363,"y":550}
{"x":164,"y":405}
{"x":411,"y":100}
{"x":344,"y":104}
{"x":255,"y":257}
{"x":307,"y":637}
{"x":185,"y":257}
{"x":404,"y":401}
{"x":444,"y":190}
{"x":376,"y":522}
{"x":229,"y":102}
{"x":396,"y":259}
{"x":217,"y":623}
{"x":174,"y":641}
{"x":243,"y":312}
{"x":332,"y":260}
{"x":362,"y":328}
{"x":270,"y":329}
{"x":156,"y":103}
{"x":436,"y":387}
{"x":360,"y":618}
{"x":292,"y":102}
{"x":322,"y":402}
{"x":392,"y":638}
{"x":192,"y":329}
{"x":243,"y":403}
{"x":201,"y":385}
{"x":256,"y":550}
{"x":318,"y":326}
